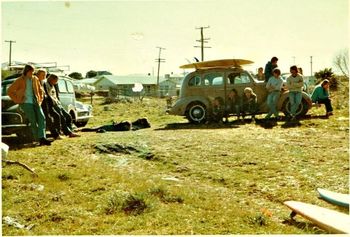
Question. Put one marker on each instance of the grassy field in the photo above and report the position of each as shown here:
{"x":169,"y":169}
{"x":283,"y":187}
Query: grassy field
{"x":177,"y":178}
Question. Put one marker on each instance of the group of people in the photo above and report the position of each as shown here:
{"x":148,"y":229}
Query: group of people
{"x":39,"y":100}
{"x":247,"y":104}
{"x":274,"y":84}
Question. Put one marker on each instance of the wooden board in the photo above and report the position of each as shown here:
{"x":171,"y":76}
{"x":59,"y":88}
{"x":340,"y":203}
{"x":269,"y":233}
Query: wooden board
{"x":339,"y":199}
{"x":222,"y":63}
{"x":329,"y":220}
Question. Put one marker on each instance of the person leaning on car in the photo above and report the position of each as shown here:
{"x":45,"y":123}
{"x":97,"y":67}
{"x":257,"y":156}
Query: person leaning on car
{"x":295,"y":83}
{"x":62,"y":118}
{"x":28,"y":93}
{"x":50,"y":116}
{"x":274,"y":86}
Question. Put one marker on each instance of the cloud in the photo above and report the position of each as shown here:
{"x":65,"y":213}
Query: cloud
{"x":137,"y":35}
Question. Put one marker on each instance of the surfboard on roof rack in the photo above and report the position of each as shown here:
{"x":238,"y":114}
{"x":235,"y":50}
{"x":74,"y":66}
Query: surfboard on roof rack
{"x":221,"y":63}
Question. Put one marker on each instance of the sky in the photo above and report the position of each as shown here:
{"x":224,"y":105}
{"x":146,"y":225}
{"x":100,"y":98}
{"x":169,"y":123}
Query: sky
{"x":122,"y":36}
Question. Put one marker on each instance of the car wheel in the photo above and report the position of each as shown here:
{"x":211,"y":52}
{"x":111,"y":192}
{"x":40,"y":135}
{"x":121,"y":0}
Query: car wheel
{"x":301,"y":111}
{"x":196,"y":113}
{"x":81,"y":124}
{"x":25,"y":135}
{"x":74,"y":121}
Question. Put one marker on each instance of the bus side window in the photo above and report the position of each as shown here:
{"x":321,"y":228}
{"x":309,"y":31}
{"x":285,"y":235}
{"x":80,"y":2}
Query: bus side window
{"x":194,"y":81}
{"x":231,"y":78}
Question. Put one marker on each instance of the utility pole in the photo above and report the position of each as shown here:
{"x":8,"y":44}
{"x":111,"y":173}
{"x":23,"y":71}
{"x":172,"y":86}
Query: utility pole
{"x":311,"y":64}
{"x":159,"y":60}
{"x":202,"y":41}
{"x":11,"y":42}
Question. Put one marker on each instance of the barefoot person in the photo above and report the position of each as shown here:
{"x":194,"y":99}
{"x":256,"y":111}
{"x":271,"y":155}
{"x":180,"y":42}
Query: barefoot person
{"x":28,"y":93}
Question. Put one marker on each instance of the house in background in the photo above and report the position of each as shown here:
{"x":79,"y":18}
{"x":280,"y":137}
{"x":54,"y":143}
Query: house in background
{"x":170,"y":86}
{"x":123,"y":85}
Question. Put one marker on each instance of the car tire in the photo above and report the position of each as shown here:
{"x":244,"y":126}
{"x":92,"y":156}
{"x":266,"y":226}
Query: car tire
{"x":196,"y":112}
{"x":25,"y":135}
{"x":302,"y":110}
{"x":81,"y":124}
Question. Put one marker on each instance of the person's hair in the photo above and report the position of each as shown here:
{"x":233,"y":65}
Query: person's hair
{"x":26,"y":69}
{"x":324,"y":82}
{"x":276,"y":70}
{"x":295,"y":68}
{"x":41,"y":70}
{"x":300,"y":70}
{"x":250,"y":90}
{"x":274,"y":59}
{"x":52,"y":77}
{"x":260,"y":68}
{"x":234,"y":90}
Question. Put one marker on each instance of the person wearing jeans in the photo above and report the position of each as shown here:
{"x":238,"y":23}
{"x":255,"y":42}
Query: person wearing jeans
{"x":62,"y":119}
{"x":273,"y":86}
{"x":28,"y":93}
{"x":295,"y":83}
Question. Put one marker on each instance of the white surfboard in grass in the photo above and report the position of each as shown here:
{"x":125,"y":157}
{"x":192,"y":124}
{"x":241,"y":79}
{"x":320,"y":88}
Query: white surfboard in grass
{"x":332,"y":221}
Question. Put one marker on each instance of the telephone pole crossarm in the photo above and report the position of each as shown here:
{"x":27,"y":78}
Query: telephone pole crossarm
{"x":10,"y":53}
{"x":159,"y":60}
{"x":202,"y":41}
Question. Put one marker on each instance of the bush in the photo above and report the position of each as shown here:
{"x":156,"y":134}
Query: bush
{"x":329,"y":75}
{"x":133,"y":204}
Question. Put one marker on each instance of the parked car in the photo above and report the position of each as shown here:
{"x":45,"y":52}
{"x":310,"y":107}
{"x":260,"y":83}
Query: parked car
{"x":199,"y":88}
{"x":15,"y":122}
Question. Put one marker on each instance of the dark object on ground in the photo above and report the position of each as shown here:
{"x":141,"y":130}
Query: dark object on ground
{"x":122,"y":126}
{"x":118,"y":148}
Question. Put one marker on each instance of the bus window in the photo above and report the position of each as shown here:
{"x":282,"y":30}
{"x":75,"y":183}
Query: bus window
{"x":242,"y":78}
{"x":214,"y":79}
{"x":195,"y":81}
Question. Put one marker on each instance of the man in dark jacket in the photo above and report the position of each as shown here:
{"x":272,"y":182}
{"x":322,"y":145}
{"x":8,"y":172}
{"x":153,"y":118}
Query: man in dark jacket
{"x":62,"y":119}
{"x":269,"y":67}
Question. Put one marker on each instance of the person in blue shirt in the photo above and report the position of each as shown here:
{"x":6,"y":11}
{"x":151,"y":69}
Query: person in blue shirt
{"x":320,"y":95}
{"x":273,"y":86}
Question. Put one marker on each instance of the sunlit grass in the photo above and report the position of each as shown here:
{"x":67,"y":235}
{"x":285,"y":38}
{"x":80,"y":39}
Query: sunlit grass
{"x":204,"y":179}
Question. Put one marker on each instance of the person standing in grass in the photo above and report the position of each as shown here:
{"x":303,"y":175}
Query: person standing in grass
{"x":29,"y":94}
{"x":320,"y":95}
{"x":269,"y":68}
{"x":295,"y":84}
{"x":273,"y":86}
{"x":249,"y":102}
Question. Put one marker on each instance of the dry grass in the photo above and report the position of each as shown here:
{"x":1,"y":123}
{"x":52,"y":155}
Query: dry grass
{"x":202,"y":179}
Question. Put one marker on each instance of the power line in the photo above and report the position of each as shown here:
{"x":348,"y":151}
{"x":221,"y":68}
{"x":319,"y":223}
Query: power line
{"x":10,"y":54}
{"x":202,"y":41}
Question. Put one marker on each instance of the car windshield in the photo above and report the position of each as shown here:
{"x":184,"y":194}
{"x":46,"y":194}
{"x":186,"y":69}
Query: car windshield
{"x":4,"y":88}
